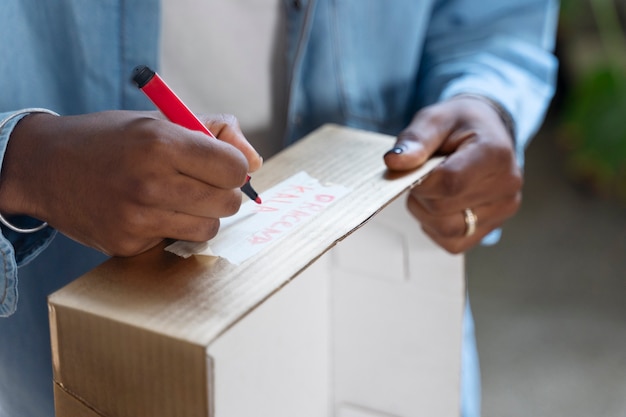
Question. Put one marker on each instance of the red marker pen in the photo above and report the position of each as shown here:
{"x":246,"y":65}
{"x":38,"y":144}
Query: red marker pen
{"x":175,"y":110}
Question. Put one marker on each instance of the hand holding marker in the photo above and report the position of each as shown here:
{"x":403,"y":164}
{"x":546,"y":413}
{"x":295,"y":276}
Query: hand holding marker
{"x":175,"y":110}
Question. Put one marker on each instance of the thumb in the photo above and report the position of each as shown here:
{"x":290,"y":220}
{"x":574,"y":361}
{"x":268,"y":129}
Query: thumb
{"x":418,"y":141}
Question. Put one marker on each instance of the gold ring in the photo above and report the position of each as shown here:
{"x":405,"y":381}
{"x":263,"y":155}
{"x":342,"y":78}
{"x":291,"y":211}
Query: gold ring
{"x":470,"y":222}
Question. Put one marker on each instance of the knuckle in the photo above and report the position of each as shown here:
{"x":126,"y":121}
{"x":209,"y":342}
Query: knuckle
{"x":225,"y":202}
{"x":409,"y":134}
{"x":453,"y":246}
{"x":502,"y":155}
{"x":433,"y":114}
{"x":452,"y":181}
{"x":231,"y":202}
{"x":199,"y":230}
{"x":229,"y":119}
{"x":222,"y":120}
{"x":449,"y":229}
{"x":220,"y":203}
{"x":517,"y":182}
{"x":435,"y":206}
{"x":154,"y":135}
{"x":240,"y":172}
{"x":145,"y":190}
{"x":208,"y":229}
{"x":513,"y":204}
{"x":131,"y":221}
{"x":231,"y":166}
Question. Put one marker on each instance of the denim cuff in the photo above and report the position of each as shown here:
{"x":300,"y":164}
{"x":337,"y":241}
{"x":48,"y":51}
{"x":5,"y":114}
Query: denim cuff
{"x":16,"y":249}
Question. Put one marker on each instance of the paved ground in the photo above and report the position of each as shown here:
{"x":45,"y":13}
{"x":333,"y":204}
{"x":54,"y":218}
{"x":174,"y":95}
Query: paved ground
{"x":550,"y":301}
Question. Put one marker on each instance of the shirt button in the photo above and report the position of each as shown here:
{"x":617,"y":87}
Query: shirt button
{"x":297,"y":4}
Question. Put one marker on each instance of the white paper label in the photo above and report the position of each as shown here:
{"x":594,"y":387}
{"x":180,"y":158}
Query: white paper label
{"x":286,"y":206}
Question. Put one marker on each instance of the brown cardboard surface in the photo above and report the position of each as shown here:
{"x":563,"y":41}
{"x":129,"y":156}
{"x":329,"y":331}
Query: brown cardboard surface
{"x":130,"y":337}
{"x":373,"y":325}
{"x":67,"y":404}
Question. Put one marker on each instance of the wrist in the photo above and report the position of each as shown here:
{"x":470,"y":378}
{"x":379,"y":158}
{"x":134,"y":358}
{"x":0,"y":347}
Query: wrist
{"x":503,"y":114}
{"x":20,"y":166}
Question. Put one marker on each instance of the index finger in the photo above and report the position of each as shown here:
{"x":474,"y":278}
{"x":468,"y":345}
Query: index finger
{"x":226,"y":128}
{"x":199,"y":156}
{"x":454,"y":177}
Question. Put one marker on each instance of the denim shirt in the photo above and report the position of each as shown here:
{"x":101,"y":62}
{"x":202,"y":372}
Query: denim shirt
{"x":359,"y":63}
{"x":70,"y":57}
{"x":372,"y":66}
{"x":497,"y":49}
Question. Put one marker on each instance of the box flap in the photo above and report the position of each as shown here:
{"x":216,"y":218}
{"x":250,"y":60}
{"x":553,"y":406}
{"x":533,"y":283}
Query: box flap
{"x":197,"y":299}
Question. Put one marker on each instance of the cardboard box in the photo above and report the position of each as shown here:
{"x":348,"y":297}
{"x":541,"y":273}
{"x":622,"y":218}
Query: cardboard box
{"x":326,"y":320}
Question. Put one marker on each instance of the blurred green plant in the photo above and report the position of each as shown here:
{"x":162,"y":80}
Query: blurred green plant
{"x":593,"y":118}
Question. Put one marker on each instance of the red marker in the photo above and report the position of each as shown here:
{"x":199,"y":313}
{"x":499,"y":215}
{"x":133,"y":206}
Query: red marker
{"x":175,"y":110}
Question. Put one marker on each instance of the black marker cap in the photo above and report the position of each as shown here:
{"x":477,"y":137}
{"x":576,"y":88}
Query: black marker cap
{"x":142,"y":75}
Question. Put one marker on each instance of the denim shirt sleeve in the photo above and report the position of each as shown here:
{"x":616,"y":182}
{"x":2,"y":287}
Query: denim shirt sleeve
{"x":501,"y":50}
{"x":16,"y":249}
{"x":498,"y":49}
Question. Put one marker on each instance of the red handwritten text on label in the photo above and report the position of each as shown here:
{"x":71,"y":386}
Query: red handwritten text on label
{"x":291,"y":219}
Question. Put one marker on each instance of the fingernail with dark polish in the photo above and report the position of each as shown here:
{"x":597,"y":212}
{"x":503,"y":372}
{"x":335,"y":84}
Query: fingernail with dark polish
{"x":397,"y":151}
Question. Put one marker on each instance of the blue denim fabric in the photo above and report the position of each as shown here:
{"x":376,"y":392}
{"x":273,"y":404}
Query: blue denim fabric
{"x":470,"y":369}
{"x":29,"y":245}
{"x":372,"y":66}
{"x":72,"y":57}
{"x":354,"y":62}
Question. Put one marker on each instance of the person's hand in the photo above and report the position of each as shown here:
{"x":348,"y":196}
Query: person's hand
{"x":480,"y":172}
{"x":122,"y":181}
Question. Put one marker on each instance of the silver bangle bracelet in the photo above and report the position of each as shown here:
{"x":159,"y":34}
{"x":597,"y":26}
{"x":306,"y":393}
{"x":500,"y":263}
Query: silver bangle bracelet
{"x":2,"y":124}
{"x":21,"y":230}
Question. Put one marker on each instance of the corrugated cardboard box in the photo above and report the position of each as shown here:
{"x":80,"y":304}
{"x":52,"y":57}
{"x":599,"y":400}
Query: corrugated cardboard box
{"x":325,"y":320}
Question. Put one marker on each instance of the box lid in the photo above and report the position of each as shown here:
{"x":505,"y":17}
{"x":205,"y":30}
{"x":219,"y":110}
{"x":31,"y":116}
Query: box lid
{"x":198,"y":298}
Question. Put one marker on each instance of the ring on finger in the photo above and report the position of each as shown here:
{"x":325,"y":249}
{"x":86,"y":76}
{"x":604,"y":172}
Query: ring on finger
{"x":470,"y":221}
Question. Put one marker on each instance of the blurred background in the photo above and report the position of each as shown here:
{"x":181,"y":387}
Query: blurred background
{"x":550,"y":300}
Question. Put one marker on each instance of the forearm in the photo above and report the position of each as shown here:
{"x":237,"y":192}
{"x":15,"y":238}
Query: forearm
{"x":503,"y":52}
